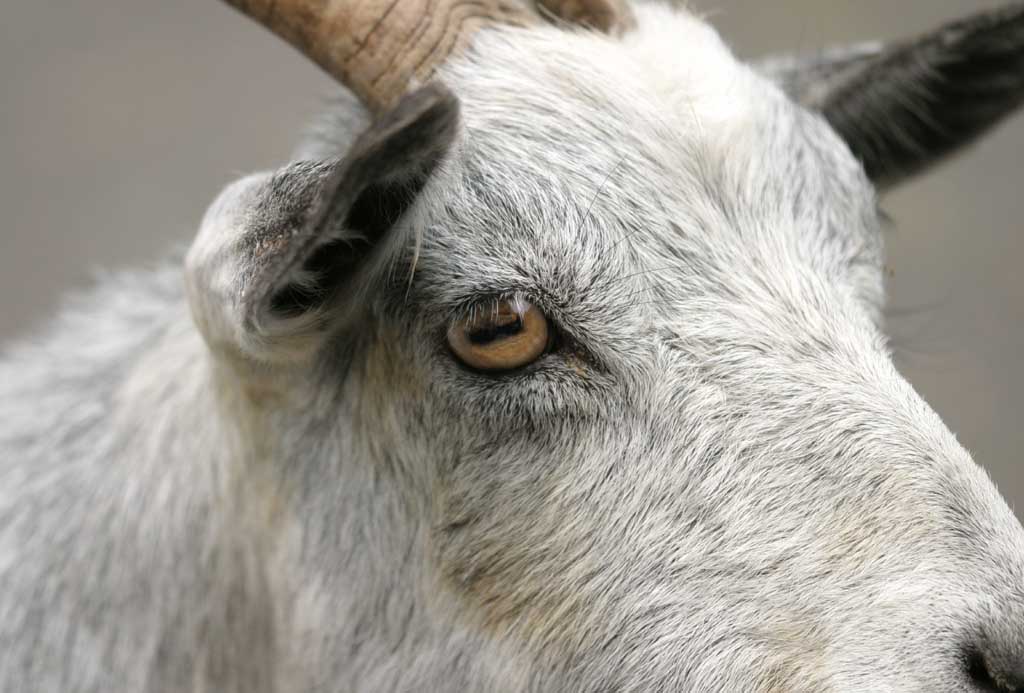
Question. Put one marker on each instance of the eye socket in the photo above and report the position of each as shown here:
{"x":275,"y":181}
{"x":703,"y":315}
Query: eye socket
{"x":510,"y":334}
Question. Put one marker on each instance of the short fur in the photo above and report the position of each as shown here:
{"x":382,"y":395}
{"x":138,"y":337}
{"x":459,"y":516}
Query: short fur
{"x":716,"y":481}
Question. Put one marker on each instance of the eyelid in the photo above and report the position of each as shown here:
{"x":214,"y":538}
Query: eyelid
{"x":471,"y":306}
{"x":479,"y":310}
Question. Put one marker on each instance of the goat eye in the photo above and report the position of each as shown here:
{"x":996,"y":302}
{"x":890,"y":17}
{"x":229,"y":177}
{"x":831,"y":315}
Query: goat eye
{"x":509,"y":335}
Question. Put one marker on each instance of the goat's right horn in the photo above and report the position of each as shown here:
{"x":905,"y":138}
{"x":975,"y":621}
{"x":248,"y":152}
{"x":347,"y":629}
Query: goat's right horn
{"x":380,"y":49}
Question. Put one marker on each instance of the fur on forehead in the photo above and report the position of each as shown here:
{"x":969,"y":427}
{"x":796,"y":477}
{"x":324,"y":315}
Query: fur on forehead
{"x":657,"y":131}
{"x":543,"y":95}
{"x":672,"y":74}
{"x":669,"y":95}
{"x":673,"y":63}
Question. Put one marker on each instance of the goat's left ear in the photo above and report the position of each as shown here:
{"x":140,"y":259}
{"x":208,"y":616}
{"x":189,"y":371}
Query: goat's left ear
{"x":903,"y":107}
{"x":277,"y":251}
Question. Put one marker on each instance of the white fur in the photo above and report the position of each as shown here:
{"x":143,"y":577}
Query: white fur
{"x":718,"y":482}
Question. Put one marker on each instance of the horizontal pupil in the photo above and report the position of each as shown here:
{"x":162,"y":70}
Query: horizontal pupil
{"x":492,"y":333}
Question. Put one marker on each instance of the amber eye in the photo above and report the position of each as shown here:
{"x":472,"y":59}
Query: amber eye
{"x":508,"y":334}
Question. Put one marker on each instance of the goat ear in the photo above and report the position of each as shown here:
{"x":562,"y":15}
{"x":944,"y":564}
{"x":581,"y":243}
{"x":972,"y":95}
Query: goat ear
{"x":276,"y":250}
{"x":903,"y":107}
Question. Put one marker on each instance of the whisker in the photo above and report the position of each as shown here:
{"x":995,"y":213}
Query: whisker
{"x":660,"y":302}
{"x":598,"y":192}
{"x":650,"y":270}
{"x":643,"y":290}
{"x":625,"y":237}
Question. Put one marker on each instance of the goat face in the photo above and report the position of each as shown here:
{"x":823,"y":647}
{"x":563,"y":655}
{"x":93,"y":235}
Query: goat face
{"x":586,"y":363}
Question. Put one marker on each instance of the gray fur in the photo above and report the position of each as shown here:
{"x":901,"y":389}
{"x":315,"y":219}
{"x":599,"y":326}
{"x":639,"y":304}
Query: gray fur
{"x":716,"y":482}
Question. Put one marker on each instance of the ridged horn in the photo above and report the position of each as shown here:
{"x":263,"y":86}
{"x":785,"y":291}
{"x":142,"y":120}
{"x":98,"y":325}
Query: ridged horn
{"x":379,"y":49}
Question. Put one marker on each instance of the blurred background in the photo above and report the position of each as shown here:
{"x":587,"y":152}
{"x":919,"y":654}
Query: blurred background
{"x":121,"y":119}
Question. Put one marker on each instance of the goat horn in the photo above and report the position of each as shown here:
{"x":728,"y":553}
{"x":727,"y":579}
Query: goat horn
{"x":378,"y":49}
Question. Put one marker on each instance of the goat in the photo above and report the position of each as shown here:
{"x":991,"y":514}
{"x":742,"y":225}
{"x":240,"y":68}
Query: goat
{"x":554,"y":362}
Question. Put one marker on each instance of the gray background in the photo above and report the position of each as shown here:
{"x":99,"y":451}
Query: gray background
{"x":120,"y":119}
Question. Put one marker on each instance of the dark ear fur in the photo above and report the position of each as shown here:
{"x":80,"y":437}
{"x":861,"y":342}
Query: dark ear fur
{"x":904,"y":107}
{"x":340,"y":213}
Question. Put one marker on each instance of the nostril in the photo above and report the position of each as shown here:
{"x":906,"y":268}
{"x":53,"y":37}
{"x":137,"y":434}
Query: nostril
{"x":987,"y":678}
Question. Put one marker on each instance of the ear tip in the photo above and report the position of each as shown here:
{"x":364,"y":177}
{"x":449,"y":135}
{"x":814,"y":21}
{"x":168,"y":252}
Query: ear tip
{"x":1000,"y":28}
{"x":437,"y":92}
{"x":444,"y":105}
{"x":433,"y":104}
